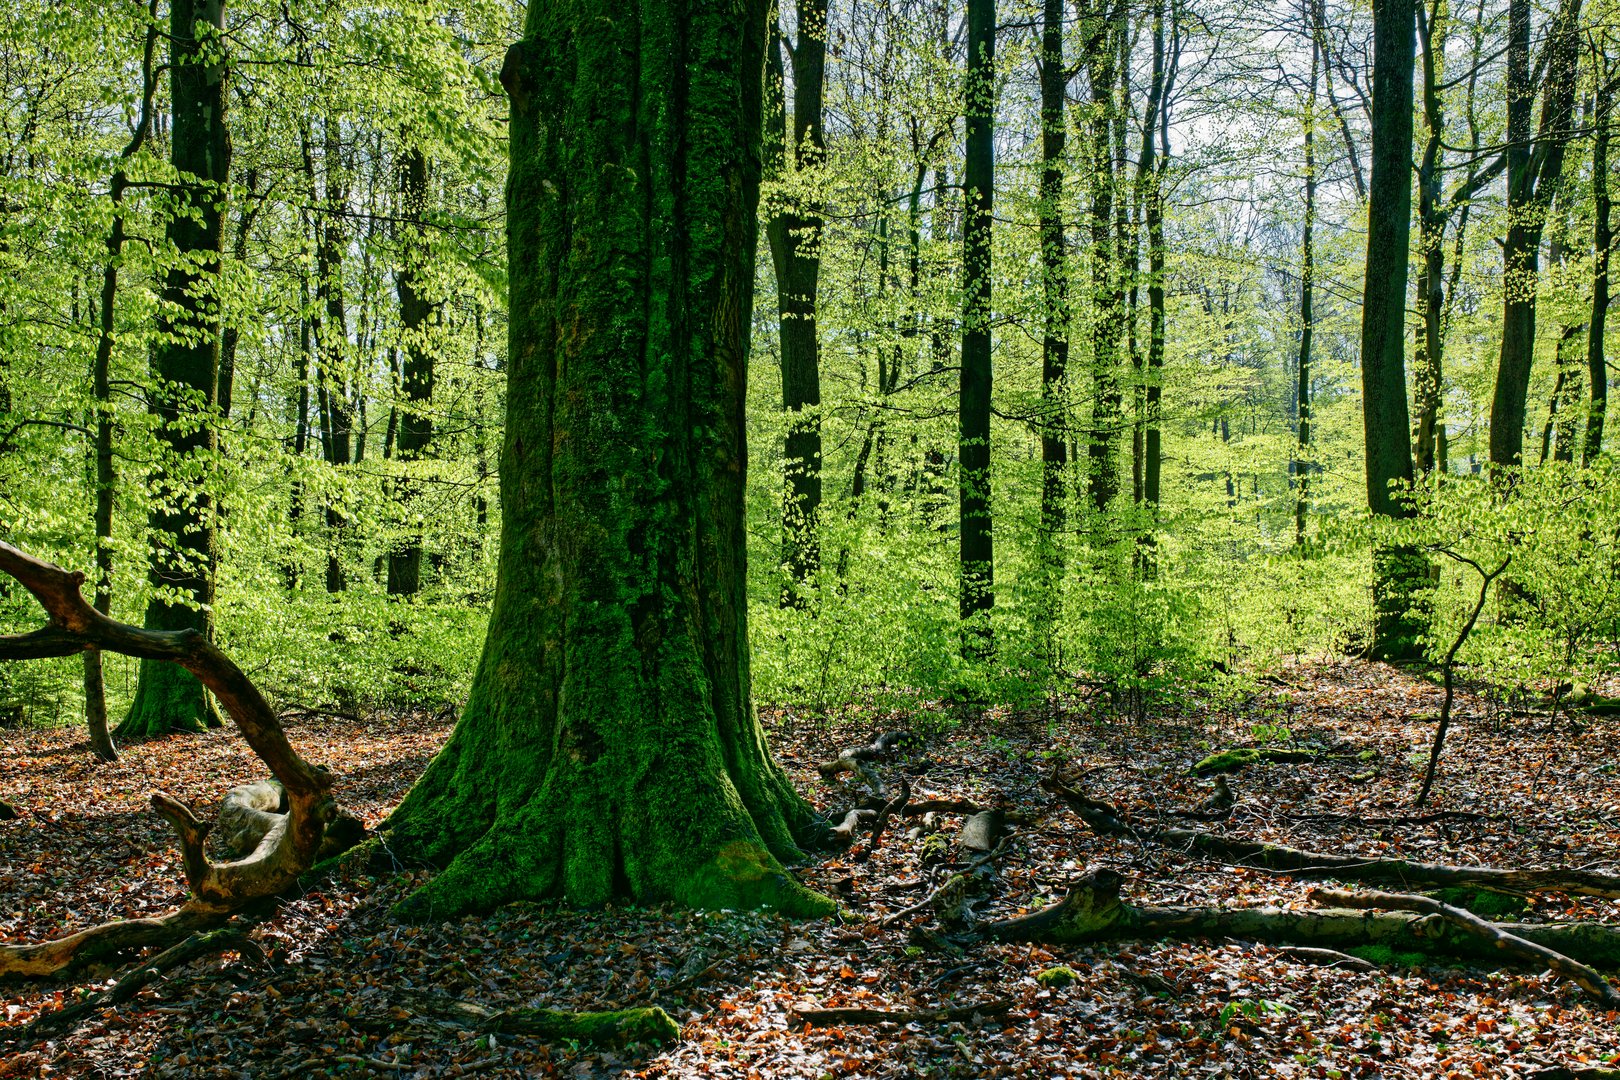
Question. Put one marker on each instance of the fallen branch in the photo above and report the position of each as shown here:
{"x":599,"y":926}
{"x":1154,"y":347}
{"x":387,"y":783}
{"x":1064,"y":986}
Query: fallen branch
{"x":831,"y":1017}
{"x":216,"y":889}
{"x":1497,"y":936}
{"x":888,"y":811}
{"x":1103,"y":818}
{"x":1326,"y":958}
{"x":1093,"y":911}
{"x":139,"y":977}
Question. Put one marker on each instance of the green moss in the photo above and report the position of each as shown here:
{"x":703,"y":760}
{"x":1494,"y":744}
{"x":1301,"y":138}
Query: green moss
{"x":621,"y":1027}
{"x":1056,"y":978}
{"x":1483,"y":902}
{"x":1243,"y":756}
{"x":1384,"y":956}
{"x":168,"y":699}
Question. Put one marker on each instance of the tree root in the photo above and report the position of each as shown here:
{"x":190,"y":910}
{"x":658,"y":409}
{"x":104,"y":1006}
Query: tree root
{"x":285,"y":850}
{"x":831,"y":1017}
{"x":1498,"y":937}
{"x":1103,"y":818}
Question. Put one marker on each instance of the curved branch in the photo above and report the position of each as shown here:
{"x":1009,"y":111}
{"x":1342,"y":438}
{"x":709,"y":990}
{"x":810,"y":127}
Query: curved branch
{"x":217,"y":888}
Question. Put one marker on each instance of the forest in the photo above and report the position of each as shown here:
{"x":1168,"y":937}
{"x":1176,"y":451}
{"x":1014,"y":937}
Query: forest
{"x":875,"y":538}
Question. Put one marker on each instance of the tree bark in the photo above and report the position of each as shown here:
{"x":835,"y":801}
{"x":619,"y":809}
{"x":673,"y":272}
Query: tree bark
{"x":185,"y":372}
{"x":794,"y":234}
{"x":415,"y":425}
{"x":609,"y":746}
{"x":977,"y":549}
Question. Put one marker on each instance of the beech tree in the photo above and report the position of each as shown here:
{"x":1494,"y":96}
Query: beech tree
{"x":609,"y":746}
{"x":185,"y":369}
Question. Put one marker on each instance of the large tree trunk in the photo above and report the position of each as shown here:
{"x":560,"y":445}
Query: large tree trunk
{"x":1398,"y":573}
{"x":415,"y":427}
{"x":609,"y":746}
{"x":1534,"y":168}
{"x":794,"y":233}
{"x":977,"y":550}
{"x":185,"y":373}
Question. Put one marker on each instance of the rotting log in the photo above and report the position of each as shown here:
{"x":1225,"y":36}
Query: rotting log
{"x":1093,"y":911}
{"x":1106,"y":819}
{"x":1242,"y":757}
{"x":217,"y":889}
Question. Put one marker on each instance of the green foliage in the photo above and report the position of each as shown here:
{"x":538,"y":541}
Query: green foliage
{"x":1384,"y":956}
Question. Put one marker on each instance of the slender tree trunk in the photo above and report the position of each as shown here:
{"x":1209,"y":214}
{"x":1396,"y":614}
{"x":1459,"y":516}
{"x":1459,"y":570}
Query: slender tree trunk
{"x":1307,"y":314}
{"x":1155,"y":159}
{"x":1602,"y":240}
{"x":609,"y":746}
{"x":1431,"y":298}
{"x":1055,"y":290}
{"x":233,"y":331}
{"x":1533,"y":172}
{"x":95,"y":684}
{"x":977,"y":549}
{"x":1098,"y":29}
{"x":306,"y":352}
{"x":331,"y":350}
{"x":1398,"y":573}
{"x":185,"y":373}
{"x":416,"y":374}
{"x":794,"y":234}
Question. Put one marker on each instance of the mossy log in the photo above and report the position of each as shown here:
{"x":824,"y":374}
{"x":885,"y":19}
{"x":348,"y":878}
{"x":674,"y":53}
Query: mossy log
{"x":612,"y":1028}
{"x":1242,"y":757}
{"x":1093,"y":911}
{"x":1492,"y":934}
{"x":1104,"y":818}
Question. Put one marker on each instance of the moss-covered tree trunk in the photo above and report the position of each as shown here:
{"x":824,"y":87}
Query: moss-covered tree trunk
{"x":609,"y":748}
{"x":185,"y":374}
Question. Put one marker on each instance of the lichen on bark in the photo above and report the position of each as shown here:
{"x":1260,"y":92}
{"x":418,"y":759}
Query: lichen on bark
{"x":609,"y":747}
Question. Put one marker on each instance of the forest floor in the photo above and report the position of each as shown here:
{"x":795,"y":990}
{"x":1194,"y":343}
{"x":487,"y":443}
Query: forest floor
{"x":85,"y":848}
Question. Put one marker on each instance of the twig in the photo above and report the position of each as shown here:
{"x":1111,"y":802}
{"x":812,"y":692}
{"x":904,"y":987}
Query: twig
{"x":829,"y":1017}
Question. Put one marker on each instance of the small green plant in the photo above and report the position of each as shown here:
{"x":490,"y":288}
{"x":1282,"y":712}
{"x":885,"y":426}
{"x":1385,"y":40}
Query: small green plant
{"x":1268,"y":734}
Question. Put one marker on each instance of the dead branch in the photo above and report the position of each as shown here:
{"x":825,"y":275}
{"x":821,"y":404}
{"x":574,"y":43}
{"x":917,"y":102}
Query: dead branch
{"x":1104,"y":818}
{"x":282,"y":853}
{"x":888,"y":811}
{"x":1499,"y":938}
{"x":830,"y":1017}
